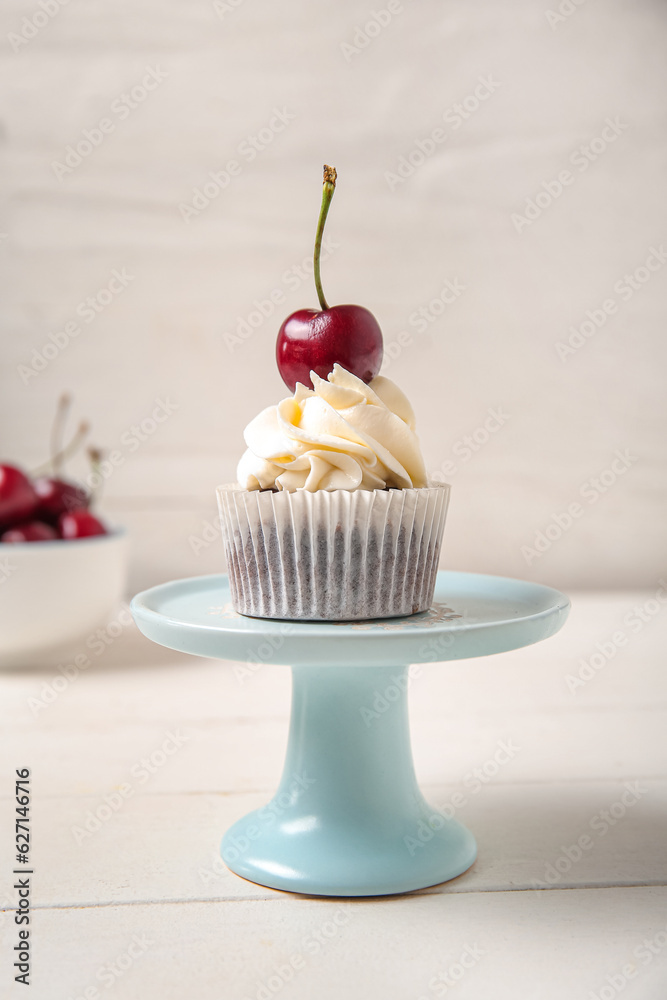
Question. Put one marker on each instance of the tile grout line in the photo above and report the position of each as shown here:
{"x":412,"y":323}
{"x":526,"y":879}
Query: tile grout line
{"x":282,"y":894}
{"x":542,"y":782}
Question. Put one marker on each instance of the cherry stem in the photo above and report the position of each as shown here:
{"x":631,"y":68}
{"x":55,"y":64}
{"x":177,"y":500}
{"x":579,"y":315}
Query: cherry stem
{"x":58,"y":460}
{"x":327,"y":195}
{"x":57,"y":431}
{"x":95,"y":456}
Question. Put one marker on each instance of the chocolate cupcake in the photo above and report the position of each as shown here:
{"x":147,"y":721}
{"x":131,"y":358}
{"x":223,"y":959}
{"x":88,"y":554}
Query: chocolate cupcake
{"x":333,"y":518}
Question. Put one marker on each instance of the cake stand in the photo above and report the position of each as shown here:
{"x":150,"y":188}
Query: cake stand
{"x":348,"y":818}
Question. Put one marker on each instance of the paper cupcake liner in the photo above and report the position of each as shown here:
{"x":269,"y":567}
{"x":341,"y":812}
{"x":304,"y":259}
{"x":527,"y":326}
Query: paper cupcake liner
{"x":332,"y":556}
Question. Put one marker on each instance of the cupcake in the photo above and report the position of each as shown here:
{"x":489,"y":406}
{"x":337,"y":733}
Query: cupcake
{"x":332,"y":518}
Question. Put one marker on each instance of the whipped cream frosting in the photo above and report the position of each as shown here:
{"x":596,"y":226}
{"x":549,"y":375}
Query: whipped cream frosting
{"x":340,"y":435}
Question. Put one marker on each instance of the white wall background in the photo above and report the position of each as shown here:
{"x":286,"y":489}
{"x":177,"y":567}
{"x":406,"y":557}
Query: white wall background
{"x":226,"y":69}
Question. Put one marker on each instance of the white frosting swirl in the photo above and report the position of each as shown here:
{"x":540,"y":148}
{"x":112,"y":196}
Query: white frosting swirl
{"x":341,"y":435}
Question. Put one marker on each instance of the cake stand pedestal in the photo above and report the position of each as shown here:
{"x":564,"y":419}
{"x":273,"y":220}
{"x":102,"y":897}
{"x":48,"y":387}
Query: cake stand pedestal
{"x":348,"y":818}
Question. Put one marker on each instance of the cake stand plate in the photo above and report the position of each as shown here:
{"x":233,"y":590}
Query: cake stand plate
{"x":348,"y":818}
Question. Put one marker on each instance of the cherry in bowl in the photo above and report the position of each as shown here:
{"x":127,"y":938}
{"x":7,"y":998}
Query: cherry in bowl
{"x":29,"y":531}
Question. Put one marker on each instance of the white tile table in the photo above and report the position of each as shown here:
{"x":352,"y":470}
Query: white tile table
{"x":142,"y":761}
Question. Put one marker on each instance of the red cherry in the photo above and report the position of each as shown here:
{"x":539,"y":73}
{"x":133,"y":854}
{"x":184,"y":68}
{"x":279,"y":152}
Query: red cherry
{"x":29,"y":531}
{"x":18,"y":499}
{"x":80,"y":524}
{"x":311,"y":340}
{"x":57,"y":496}
{"x":315,"y":341}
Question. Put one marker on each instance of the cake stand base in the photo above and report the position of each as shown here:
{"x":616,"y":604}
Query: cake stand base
{"x":348,"y":818}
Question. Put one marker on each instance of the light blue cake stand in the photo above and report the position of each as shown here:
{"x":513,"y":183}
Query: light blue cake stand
{"x":348,"y":818}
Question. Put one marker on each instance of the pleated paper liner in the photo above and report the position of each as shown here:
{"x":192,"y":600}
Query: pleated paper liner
{"x":332,"y":556}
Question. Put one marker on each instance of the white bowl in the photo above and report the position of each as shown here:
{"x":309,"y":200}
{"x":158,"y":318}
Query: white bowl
{"x":54,"y":594}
